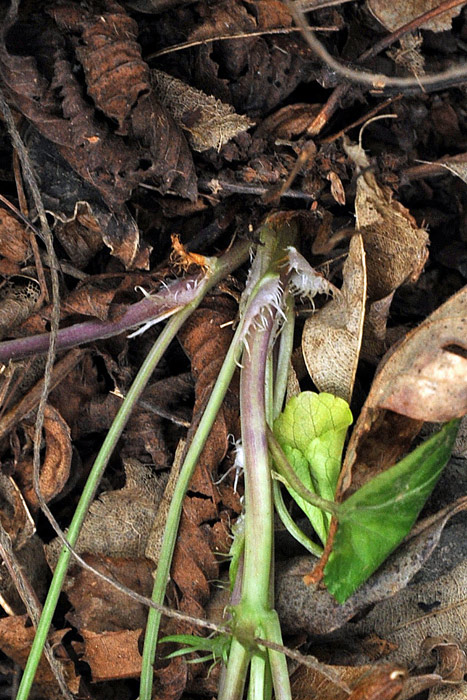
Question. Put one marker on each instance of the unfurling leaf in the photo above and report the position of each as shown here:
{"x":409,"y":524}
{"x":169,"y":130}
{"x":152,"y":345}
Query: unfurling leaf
{"x":376,"y":518}
{"x":311,"y":431}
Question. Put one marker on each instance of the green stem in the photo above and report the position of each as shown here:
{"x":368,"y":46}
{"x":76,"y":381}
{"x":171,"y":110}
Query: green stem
{"x":290,"y":523}
{"x":288,"y":475}
{"x":221,"y":268}
{"x":88,"y":495}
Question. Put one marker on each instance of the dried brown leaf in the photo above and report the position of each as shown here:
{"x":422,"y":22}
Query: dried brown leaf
{"x":16,"y":637}
{"x":98,"y":606}
{"x":119,"y":522}
{"x":423,"y":378}
{"x":116,"y":75}
{"x":14,"y":239}
{"x":332,"y":336}
{"x":393,"y":15}
{"x":112,"y":655}
{"x":381,"y":683}
{"x":395,"y":247}
{"x":55,"y":468}
{"x":209,"y":123}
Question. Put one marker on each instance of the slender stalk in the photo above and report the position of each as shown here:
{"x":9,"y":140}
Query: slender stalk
{"x":175,"y":510}
{"x":290,"y":523}
{"x":88,"y":494}
{"x":286,"y":472}
{"x":220,"y":268}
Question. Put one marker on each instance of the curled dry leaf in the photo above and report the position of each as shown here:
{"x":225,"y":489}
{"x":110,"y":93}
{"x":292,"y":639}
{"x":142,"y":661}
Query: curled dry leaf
{"x":209,"y":123}
{"x":16,"y":637}
{"x":115,"y":72}
{"x":393,"y":15}
{"x":395,"y":247}
{"x":384,"y":682}
{"x":14,"y":239}
{"x":451,"y":660}
{"x":423,"y":379}
{"x":332,"y":336}
{"x":55,"y":469}
{"x":14,"y":513}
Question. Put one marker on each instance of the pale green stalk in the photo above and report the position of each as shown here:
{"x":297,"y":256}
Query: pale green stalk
{"x":219,"y":268}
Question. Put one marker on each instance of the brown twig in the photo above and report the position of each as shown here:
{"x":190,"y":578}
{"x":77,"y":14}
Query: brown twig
{"x":229,"y":37}
{"x":435,"y":169}
{"x":361,"y":120}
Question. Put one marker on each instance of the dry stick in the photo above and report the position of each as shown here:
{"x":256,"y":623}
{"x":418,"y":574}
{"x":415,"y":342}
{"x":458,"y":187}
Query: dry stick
{"x":435,"y":169}
{"x":366,"y":117}
{"x":326,"y":112}
{"x":31,"y":603}
{"x":31,"y":179}
{"x":228,"y":37}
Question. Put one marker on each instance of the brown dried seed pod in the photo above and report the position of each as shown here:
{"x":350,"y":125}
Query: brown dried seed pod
{"x":116,"y":74}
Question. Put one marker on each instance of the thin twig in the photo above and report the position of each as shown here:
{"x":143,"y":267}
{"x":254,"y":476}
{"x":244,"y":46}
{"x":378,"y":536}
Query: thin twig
{"x":229,"y":37}
{"x":361,"y":120}
{"x":376,"y":80}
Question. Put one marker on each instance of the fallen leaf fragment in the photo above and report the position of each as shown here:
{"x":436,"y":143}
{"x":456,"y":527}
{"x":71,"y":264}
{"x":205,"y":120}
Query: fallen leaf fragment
{"x":208,"y":122}
{"x":395,"y":247}
{"x":393,"y":15}
{"x":332,"y":337}
{"x":425,"y":377}
{"x":112,"y":655}
{"x":16,"y":637}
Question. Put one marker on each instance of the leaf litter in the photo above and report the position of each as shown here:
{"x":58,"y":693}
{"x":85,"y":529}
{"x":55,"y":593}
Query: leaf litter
{"x":121,"y":146}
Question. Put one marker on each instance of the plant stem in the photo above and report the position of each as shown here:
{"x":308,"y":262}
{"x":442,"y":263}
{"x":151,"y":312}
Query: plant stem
{"x":88,"y":494}
{"x":221,"y":267}
{"x":287,"y":473}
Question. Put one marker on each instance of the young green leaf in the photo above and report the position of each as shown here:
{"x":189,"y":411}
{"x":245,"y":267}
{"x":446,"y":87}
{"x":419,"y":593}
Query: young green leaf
{"x":311,"y":431}
{"x":218,"y":646}
{"x":376,"y":518}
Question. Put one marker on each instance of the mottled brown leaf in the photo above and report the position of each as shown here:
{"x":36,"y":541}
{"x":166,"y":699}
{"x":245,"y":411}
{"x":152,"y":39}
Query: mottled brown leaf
{"x":209,"y":123}
{"x":332,"y":336}
{"x":55,"y":467}
{"x":395,"y":247}
{"x":112,"y":655}
{"x":98,"y":606}
{"x":394,"y":15}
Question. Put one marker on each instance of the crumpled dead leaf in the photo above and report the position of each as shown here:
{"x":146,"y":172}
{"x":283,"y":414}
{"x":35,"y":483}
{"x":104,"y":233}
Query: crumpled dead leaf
{"x":393,"y":15}
{"x":395,"y":247}
{"x":98,"y":606}
{"x":18,"y":298}
{"x":423,"y":378}
{"x":55,"y":468}
{"x":332,"y":336}
{"x":208,"y":122}
{"x":16,"y":637}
